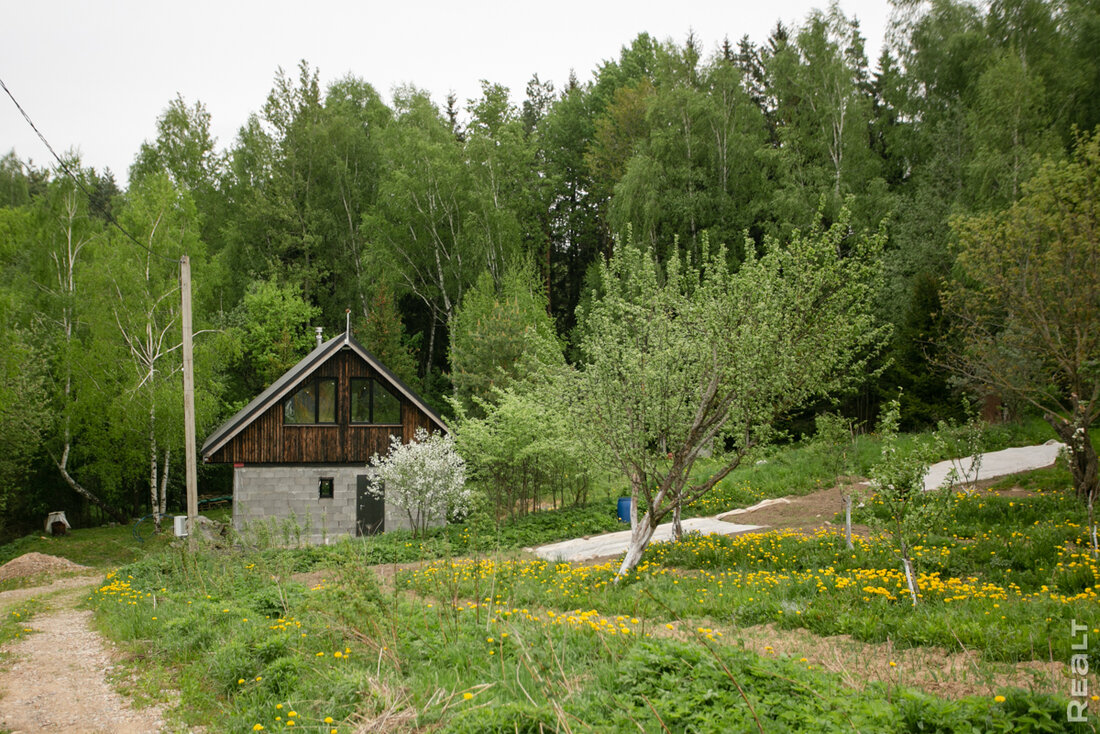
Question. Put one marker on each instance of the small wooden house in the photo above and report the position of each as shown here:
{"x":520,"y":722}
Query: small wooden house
{"x":300,"y":449}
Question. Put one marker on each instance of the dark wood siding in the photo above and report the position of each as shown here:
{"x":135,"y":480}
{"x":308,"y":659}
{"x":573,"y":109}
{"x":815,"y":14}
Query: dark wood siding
{"x":266,"y":440}
{"x":411,"y":419}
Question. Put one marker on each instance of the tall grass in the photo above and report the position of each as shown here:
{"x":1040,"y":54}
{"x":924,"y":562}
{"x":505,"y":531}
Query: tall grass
{"x":252,"y":647}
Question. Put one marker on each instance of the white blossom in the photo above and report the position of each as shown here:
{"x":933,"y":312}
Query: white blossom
{"x":426,"y":478}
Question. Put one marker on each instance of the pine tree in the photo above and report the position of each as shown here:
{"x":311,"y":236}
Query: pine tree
{"x":382,"y":332}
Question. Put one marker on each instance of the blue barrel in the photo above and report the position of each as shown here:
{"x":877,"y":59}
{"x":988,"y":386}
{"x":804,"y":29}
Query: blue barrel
{"x":624,"y":509}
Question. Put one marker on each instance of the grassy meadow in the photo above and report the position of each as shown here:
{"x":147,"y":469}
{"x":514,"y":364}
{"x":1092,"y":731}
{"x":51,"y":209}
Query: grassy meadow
{"x":773,"y":631}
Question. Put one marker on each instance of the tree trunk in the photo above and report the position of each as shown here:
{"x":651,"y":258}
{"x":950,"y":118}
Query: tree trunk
{"x":154,"y":503}
{"x":848,"y":520}
{"x":677,"y":528}
{"x":640,"y":535}
{"x":635,"y":484}
{"x":76,"y":487}
{"x":907,"y":567}
{"x":163,"y":504}
{"x":1092,"y":529}
{"x":431,"y":348}
{"x":1083,"y":464}
{"x":910,"y":578}
{"x":1082,"y":454}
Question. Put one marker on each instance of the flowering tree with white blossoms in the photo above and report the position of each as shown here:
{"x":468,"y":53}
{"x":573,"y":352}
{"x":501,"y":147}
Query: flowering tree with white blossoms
{"x":426,"y":478}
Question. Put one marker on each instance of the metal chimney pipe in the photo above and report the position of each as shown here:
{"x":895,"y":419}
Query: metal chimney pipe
{"x":318,"y":329}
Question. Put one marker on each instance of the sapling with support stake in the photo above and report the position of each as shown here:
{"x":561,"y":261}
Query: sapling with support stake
{"x":897,"y":481}
{"x":835,"y":435}
{"x":963,"y":443}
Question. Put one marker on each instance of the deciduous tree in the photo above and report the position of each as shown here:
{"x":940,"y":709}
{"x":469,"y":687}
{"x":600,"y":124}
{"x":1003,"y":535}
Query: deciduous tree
{"x":425,"y":477}
{"x":1026,"y":303}
{"x":690,"y":358}
{"x":500,"y":333}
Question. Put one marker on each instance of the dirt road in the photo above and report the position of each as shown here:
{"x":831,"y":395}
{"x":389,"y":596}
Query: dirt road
{"x":55,"y":678}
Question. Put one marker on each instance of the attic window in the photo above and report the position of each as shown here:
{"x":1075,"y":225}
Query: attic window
{"x":372,"y":402}
{"x":315,"y":402}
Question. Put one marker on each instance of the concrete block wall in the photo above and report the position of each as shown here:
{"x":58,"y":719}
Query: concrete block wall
{"x":286,"y":496}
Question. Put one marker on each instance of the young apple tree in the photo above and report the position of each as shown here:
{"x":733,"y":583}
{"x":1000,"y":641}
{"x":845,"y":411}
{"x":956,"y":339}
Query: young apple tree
{"x":835,"y":436}
{"x":897,"y":481}
{"x":688,"y":359}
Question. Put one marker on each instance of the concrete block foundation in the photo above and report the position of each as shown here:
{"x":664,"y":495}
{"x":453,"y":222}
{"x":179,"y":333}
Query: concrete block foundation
{"x":286,"y":501}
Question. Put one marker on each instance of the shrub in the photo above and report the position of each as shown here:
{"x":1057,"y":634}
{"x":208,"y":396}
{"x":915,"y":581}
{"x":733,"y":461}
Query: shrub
{"x":524,"y":454}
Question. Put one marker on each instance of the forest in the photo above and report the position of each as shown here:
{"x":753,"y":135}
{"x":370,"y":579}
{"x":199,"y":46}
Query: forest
{"x":464,"y":238}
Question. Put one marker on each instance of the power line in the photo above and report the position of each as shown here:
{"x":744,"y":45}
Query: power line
{"x":185,"y":318}
{"x":80,"y":184}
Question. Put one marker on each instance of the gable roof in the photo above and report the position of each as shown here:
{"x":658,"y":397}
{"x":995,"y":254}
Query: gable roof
{"x":289,"y":380}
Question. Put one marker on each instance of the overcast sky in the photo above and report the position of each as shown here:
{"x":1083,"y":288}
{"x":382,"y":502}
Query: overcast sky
{"x":94,"y":75}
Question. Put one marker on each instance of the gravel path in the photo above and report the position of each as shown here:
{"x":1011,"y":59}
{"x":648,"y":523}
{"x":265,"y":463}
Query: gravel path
{"x":55,"y":679}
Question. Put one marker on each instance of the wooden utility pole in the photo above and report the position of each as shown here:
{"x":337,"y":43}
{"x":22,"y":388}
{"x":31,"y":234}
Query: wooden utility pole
{"x":191,"y":469}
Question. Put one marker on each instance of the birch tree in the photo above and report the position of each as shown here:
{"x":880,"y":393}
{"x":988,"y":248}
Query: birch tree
{"x":67,"y":235}
{"x":436,"y":224}
{"x":142,"y":317}
{"x":823,"y":114}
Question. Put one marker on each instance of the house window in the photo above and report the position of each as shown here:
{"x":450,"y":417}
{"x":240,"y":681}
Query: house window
{"x":372,"y":402}
{"x":315,"y":402}
{"x":326,"y":488}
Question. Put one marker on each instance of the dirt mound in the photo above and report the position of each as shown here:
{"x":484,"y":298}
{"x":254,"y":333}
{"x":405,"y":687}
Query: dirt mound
{"x":30,"y":564}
